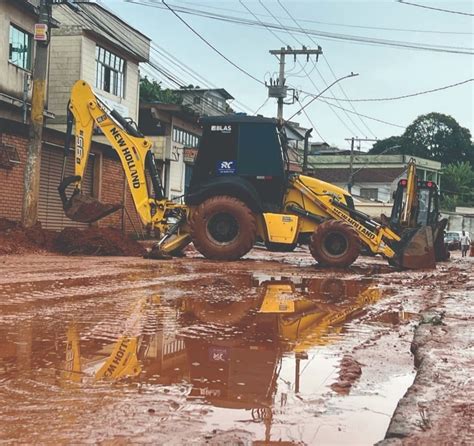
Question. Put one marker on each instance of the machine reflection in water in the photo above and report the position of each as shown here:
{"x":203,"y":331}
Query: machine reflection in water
{"x":228,"y":342}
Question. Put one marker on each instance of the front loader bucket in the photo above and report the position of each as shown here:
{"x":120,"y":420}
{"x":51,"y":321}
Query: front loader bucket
{"x":82,"y":208}
{"x":416,"y":249}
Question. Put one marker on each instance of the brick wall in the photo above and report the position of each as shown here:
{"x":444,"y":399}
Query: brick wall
{"x":112,"y":191}
{"x":11,"y":180}
{"x":113,"y":186}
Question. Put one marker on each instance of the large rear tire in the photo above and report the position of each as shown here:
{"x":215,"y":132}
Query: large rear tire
{"x":223,"y":228}
{"x":335,"y":244}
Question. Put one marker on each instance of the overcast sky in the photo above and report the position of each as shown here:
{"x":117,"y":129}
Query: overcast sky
{"x":383,"y":71}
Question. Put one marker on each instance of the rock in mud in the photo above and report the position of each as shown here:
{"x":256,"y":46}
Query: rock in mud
{"x":349,"y":372}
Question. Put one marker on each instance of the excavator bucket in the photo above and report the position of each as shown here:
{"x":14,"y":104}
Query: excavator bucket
{"x":416,"y":249}
{"x":82,"y":208}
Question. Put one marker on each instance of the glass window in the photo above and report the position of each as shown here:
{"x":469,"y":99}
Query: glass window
{"x":110,"y":72}
{"x":370,"y":193}
{"x":20,"y":48}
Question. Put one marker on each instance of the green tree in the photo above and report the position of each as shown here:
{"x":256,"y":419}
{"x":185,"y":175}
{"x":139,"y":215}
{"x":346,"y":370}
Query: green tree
{"x":151,"y":91}
{"x":457,"y":185}
{"x":439,"y":137}
{"x":388,"y":146}
{"x":433,"y":136}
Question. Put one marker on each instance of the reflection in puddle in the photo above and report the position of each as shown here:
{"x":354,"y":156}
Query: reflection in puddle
{"x":395,"y":317}
{"x":256,"y":349}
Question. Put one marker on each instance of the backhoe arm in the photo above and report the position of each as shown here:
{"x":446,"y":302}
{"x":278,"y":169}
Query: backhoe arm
{"x":408,"y":217}
{"x":85,"y":112}
{"x":132,"y":148}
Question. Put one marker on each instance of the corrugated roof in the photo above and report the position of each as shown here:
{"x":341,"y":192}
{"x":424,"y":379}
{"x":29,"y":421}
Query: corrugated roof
{"x":96,"y":19}
{"x":365,"y":175}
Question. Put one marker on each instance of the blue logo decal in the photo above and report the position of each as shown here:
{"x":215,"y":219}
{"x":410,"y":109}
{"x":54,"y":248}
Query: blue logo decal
{"x":226,"y":167}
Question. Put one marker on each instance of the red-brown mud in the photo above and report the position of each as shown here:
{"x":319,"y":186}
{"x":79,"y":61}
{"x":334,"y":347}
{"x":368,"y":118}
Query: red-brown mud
{"x":246,"y":352}
{"x":97,"y":241}
{"x":15,"y":239}
{"x":438,"y":408}
{"x":349,"y":372}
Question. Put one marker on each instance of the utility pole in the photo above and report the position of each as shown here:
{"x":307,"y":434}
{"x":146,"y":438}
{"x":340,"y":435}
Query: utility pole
{"x":33,"y":159}
{"x":351,"y":160}
{"x":277,"y":88}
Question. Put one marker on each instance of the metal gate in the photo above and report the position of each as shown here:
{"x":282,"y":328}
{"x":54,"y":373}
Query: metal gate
{"x":50,"y":208}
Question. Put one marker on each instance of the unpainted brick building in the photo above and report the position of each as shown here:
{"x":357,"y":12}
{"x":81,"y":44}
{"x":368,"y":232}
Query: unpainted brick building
{"x":105,"y":179}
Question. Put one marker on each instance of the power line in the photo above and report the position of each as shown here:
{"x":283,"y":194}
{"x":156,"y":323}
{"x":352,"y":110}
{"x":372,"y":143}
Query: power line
{"x":302,"y":67}
{"x":319,"y":73}
{"x":346,"y":25}
{"x":178,"y":82}
{"x":245,"y":6}
{"x":158,"y":67}
{"x":323,"y":35}
{"x":312,"y":124}
{"x":170,"y":58}
{"x":332,"y":71}
{"x":212,"y":46}
{"x":348,"y":100}
{"x":263,"y":105}
{"x":450,"y":11}
{"x":406,"y":95}
{"x":356,"y":113}
{"x":181,"y":65}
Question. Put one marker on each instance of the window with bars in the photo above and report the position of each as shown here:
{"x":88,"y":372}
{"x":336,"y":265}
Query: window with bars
{"x":110,"y":72}
{"x":20,"y":48}
{"x":184,"y":137}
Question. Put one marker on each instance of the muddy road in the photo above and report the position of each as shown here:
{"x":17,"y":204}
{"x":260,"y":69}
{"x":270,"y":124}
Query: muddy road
{"x":270,"y":348}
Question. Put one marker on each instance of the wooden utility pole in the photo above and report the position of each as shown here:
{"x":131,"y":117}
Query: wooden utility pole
{"x":278,"y":89}
{"x":351,"y":160}
{"x":33,"y":159}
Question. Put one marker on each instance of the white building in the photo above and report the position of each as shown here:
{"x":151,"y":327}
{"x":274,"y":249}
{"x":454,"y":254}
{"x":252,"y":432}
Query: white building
{"x":95,"y":45}
{"x":374,"y":177}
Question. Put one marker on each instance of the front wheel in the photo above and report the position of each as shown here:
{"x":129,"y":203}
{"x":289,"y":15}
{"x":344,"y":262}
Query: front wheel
{"x":223,"y":228}
{"x":335,"y":244}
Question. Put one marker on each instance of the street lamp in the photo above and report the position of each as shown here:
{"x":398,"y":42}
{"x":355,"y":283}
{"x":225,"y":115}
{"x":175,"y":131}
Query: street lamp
{"x":322,"y":92}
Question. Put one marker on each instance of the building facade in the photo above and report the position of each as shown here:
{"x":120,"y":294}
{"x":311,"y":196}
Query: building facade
{"x":175,"y":135}
{"x":374,"y":177}
{"x":93,"y":44}
{"x":17,"y":49}
{"x":206,"y":102}
{"x":87,"y":42}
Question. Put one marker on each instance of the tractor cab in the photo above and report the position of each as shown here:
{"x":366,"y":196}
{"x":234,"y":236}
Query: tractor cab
{"x":427,"y":207}
{"x":243,"y":156}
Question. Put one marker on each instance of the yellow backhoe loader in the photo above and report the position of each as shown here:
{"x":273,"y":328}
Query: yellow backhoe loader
{"x":240,"y":192}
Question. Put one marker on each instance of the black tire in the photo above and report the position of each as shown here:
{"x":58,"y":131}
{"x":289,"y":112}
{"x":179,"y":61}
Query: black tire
{"x":280,"y":247}
{"x":333,"y":290}
{"x":335,"y":244}
{"x":223,"y":312}
{"x":223,"y":228}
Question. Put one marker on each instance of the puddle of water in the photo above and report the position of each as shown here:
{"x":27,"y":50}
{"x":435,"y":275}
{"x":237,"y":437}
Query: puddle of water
{"x":395,"y":317}
{"x":252,"y":352}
